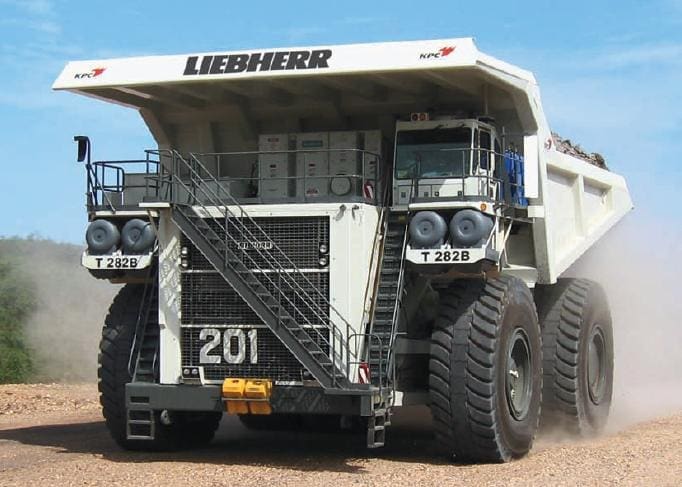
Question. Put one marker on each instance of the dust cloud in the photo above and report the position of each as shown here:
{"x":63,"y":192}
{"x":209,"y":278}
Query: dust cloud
{"x":64,"y":331}
{"x":638,"y":265}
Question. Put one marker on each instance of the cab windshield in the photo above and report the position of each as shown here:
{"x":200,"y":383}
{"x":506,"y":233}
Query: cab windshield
{"x":436,"y":153}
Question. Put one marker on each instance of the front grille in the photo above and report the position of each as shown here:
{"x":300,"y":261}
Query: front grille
{"x":299,"y":238}
{"x":207,"y":301}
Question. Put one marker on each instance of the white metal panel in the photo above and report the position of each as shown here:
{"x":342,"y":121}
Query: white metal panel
{"x":169,"y":300}
{"x":582,"y":202}
{"x":531,"y":166}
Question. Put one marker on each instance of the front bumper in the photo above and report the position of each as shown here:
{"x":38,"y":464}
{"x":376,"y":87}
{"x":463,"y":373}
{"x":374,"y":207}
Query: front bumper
{"x":284,"y":399}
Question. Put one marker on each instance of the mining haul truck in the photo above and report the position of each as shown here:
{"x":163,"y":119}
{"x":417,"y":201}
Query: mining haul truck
{"x":325,"y":234}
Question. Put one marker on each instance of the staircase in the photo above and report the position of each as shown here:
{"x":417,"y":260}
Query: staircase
{"x":145,"y":349}
{"x":266,"y":279}
{"x":387,"y":302}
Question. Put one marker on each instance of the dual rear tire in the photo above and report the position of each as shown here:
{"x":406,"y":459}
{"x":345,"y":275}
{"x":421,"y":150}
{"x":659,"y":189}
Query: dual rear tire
{"x":577,"y":341}
{"x":490,"y":354}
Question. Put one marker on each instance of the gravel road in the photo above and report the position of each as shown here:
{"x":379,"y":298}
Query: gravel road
{"x":54,"y":435}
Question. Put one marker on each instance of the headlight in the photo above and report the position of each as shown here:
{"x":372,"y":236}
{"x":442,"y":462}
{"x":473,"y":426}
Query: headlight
{"x":323,"y":262}
{"x":323,"y":248}
{"x":427,"y":230}
{"x":102,"y":237}
{"x":470,"y":228}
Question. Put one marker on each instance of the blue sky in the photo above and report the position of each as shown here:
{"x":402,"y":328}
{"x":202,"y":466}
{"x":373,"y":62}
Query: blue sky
{"x":610,"y":75}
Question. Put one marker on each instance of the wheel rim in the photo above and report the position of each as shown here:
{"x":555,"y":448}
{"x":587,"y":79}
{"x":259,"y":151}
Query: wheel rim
{"x":596,"y":366}
{"x":518,"y":376}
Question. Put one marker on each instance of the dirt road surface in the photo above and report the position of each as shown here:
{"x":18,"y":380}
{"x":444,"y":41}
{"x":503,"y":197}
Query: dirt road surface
{"x":54,"y":435}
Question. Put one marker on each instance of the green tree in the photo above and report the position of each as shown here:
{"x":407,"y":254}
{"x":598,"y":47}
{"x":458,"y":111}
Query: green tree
{"x":17,"y":302}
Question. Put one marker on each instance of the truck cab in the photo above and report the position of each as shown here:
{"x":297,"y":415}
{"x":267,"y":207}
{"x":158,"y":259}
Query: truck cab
{"x":446,"y":159}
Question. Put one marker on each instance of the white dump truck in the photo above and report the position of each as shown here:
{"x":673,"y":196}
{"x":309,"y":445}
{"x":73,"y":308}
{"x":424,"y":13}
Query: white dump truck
{"x":330,"y":233}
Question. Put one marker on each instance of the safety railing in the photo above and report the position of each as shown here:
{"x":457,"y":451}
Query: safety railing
{"x":112,"y":185}
{"x":298,"y":176}
{"x":461,"y":174}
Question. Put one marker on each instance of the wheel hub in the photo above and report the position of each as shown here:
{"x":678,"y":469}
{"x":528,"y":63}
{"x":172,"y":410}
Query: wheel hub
{"x":518,"y":376}
{"x":596,"y":367}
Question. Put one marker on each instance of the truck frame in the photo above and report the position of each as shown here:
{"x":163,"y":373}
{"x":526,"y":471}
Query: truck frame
{"x":334,"y":232}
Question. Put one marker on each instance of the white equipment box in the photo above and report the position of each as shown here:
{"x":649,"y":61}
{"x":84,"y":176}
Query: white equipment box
{"x":312,"y":168}
{"x":373,"y":143}
{"x":274,"y":169}
{"x":343,"y":164}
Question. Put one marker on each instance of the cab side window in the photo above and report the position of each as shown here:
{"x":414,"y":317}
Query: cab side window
{"x":484,"y":149}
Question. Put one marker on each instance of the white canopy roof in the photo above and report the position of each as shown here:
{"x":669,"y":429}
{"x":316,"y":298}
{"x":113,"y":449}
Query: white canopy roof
{"x":351,"y":80}
{"x":283,"y":62}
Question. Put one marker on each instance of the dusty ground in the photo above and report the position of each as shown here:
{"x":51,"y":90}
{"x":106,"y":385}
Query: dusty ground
{"x":54,"y":435}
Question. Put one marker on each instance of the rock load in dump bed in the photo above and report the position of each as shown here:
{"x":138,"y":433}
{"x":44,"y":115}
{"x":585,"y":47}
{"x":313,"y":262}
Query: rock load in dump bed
{"x":568,"y":147}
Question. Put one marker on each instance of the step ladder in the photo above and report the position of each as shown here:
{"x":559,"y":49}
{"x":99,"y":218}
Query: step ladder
{"x":376,"y":427}
{"x":388,"y":298}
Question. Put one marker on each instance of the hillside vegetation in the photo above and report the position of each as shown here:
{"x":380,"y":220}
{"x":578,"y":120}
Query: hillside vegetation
{"x":17,"y":303}
{"x":51,"y":312}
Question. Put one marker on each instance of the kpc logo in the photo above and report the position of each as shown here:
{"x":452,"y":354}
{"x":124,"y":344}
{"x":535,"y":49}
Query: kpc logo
{"x":92,"y":74}
{"x":440,"y":53}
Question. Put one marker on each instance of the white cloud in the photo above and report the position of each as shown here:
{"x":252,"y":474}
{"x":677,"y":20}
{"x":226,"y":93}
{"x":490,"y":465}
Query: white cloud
{"x":628,"y":57}
{"x":39,"y":25}
{"x":35,"y":7}
{"x":359,"y":20}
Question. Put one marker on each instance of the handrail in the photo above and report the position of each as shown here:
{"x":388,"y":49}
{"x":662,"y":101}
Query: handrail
{"x":473,"y":166}
{"x":328,"y":176}
{"x":97,"y":179}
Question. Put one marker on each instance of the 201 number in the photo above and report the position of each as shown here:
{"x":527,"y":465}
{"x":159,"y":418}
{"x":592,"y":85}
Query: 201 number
{"x":230,"y":336}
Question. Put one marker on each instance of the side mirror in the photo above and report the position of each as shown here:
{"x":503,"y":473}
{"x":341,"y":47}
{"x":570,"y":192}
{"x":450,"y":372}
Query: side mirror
{"x":83,"y":147}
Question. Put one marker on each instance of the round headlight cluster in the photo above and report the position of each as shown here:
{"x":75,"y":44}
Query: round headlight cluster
{"x":324,"y":257}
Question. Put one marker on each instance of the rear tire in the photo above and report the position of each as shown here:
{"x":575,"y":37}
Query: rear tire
{"x":578,"y":356}
{"x":485,"y":370}
{"x":186,"y":429}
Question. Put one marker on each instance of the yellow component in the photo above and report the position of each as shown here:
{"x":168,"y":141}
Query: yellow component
{"x":237,"y":392}
{"x":258,"y":389}
{"x":234,"y":388}
{"x":260,"y":407}
{"x":237,"y":407}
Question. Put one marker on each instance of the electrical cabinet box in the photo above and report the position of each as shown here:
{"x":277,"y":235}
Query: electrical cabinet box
{"x":312,"y":164}
{"x":275,"y":168}
{"x":373,"y":147}
{"x":343,"y":164}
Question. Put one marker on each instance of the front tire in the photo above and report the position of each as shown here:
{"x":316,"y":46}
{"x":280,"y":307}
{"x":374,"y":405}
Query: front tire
{"x":185,"y":429}
{"x":578,"y":354}
{"x":485,"y":370}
